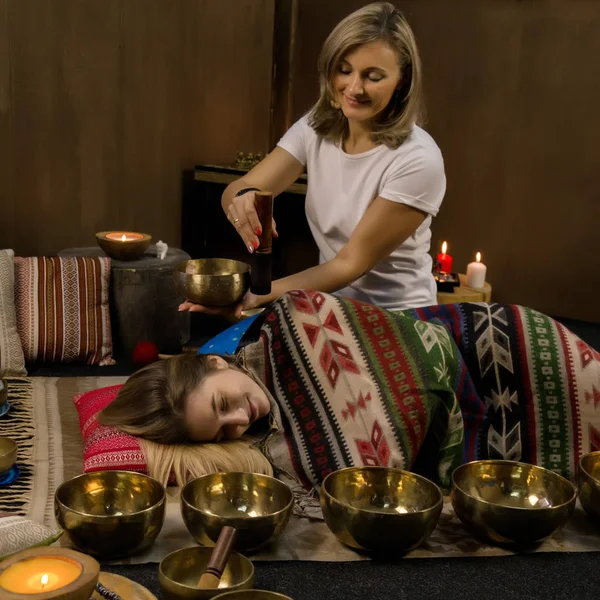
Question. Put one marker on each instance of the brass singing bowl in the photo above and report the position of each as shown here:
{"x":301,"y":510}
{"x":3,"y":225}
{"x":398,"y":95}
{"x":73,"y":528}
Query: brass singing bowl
{"x":588,"y":479}
{"x":508,"y":502}
{"x":257,"y":506}
{"x":111,"y":514}
{"x":3,"y":391}
{"x":380,"y":509}
{"x":128,"y":250}
{"x":180,"y":571}
{"x":212,"y":281}
{"x":8,"y":454}
{"x":252,"y":595}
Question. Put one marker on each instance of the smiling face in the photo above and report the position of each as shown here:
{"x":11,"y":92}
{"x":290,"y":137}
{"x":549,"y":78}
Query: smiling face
{"x":366,"y":80}
{"x":224,"y":405}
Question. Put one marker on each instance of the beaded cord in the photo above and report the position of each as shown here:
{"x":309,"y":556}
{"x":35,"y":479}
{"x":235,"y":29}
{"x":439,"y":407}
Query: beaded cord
{"x":106,"y":593}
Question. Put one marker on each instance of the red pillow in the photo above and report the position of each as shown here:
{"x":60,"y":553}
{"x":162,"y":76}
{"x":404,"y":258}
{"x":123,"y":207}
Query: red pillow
{"x":105,"y":448}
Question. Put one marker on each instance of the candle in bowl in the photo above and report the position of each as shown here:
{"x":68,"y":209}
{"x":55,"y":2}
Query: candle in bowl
{"x":48,"y":574}
{"x":476,"y":273}
{"x":445,"y":260}
{"x":123,"y":245}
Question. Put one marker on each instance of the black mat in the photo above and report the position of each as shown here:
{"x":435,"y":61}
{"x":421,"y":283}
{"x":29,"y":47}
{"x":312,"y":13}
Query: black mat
{"x":544,"y":576}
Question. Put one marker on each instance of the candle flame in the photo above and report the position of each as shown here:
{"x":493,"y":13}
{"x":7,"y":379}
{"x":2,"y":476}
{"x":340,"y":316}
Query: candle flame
{"x":123,"y":238}
{"x":478,"y":257}
{"x":444,"y":247}
{"x":44,"y":580}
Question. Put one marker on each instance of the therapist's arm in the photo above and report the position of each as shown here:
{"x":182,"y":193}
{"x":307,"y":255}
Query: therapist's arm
{"x":384,"y":226}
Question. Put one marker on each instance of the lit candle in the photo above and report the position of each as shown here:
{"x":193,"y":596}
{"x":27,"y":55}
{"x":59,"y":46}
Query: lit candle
{"x":40,"y":574}
{"x":476,"y":273}
{"x":445,"y":260}
{"x":124,"y":236}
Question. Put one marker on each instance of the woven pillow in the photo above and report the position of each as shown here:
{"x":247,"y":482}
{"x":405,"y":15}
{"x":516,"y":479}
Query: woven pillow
{"x":105,"y":448}
{"x":63,"y":309}
{"x":18,"y":533}
{"x":12,"y":361}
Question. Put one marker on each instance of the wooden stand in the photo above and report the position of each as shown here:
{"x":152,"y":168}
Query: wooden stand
{"x":144,"y":301}
{"x":465,"y":294}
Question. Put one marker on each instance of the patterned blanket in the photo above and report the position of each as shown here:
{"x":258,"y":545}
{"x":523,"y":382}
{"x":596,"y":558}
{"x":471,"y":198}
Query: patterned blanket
{"x":425,"y":389}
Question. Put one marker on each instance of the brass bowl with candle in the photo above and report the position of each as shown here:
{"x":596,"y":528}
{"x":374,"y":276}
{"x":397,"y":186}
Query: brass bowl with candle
{"x":111,"y":514}
{"x":588,"y":479}
{"x":48,"y":574}
{"x":257,"y":506}
{"x":252,"y":595}
{"x":123,"y":245}
{"x":506,"y":502}
{"x":379,"y":509}
{"x":212,"y":281}
{"x":179,"y":572}
{"x":8,"y":454}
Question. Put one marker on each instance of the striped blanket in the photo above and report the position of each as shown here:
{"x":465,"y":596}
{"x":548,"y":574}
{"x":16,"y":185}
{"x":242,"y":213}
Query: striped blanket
{"x":425,"y":389}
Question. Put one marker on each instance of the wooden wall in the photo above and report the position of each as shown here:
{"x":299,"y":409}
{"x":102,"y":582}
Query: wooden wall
{"x":513,"y":99}
{"x":103,"y":104}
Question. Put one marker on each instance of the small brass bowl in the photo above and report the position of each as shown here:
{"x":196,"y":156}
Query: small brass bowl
{"x":252,"y":595}
{"x":212,"y":281}
{"x":180,"y":571}
{"x":3,"y":392}
{"x":509,"y":502}
{"x":379,"y":509}
{"x":131,"y":249}
{"x":8,"y":454}
{"x":588,"y":479}
{"x":111,"y":514}
{"x":258,"y":506}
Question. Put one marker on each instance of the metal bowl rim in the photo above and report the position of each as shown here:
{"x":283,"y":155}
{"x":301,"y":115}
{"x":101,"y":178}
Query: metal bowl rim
{"x":583,"y":469}
{"x":269,"y":516}
{"x":15,"y":445}
{"x":192,"y":587}
{"x":275,"y":594}
{"x":245,"y":267}
{"x":490,"y":461}
{"x":433,"y":507}
{"x":127,"y":515}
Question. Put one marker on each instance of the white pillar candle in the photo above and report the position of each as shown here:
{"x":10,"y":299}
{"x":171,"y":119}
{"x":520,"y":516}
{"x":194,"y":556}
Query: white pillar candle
{"x":476,"y":273}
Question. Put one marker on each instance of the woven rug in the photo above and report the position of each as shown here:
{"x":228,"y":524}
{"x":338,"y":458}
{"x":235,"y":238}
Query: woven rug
{"x":45,"y":423}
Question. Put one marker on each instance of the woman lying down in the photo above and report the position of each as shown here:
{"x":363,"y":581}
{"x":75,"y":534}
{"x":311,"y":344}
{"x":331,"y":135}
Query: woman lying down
{"x":324,"y":383}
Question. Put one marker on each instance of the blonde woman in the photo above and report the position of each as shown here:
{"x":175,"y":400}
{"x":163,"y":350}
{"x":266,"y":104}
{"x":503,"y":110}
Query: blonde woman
{"x":324,"y":382}
{"x":375,"y":178}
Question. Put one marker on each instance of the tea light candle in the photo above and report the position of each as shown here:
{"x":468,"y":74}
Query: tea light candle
{"x":48,"y":574}
{"x":476,"y":272}
{"x":123,"y":245}
{"x":445,"y":260}
{"x":124,"y":236}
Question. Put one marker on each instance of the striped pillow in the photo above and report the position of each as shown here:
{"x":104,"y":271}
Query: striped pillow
{"x":11,"y":354}
{"x":63,"y":309}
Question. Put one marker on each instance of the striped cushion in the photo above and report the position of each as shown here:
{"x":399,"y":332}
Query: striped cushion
{"x":11,"y":353}
{"x":63,"y":309}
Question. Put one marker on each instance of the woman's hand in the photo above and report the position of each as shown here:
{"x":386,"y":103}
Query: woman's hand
{"x":242,"y":215}
{"x":232,"y":312}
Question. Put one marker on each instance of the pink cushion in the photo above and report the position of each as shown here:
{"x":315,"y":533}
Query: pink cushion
{"x":105,"y":448}
{"x":62,"y":309}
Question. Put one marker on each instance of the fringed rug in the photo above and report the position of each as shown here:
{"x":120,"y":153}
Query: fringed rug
{"x":44,"y":422}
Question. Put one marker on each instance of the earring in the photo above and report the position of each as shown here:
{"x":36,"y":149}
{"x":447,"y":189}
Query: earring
{"x":334,"y":104}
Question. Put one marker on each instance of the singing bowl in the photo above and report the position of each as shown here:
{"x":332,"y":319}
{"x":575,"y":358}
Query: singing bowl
{"x":212,"y":281}
{"x":257,"y":506}
{"x":508,"y":502}
{"x":252,"y":595}
{"x":111,"y":514}
{"x":378,"y":509}
{"x":8,"y":454}
{"x":588,"y":478}
{"x":128,"y":250}
{"x":180,"y":571}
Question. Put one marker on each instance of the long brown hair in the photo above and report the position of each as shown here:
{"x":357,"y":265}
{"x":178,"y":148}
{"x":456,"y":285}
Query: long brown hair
{"x":151,"y":404}
{"x":378,"y":21}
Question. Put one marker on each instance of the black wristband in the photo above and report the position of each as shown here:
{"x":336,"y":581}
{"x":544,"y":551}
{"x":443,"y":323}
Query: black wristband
{"x":245,"y":191}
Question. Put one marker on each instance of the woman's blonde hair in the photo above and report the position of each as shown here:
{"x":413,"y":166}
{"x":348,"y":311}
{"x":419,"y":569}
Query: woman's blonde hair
{"x":378,"y":21}
{"x":151,"y":406}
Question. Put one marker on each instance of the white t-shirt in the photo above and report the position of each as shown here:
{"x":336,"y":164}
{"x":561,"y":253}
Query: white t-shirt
{"x":342,"y":186}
